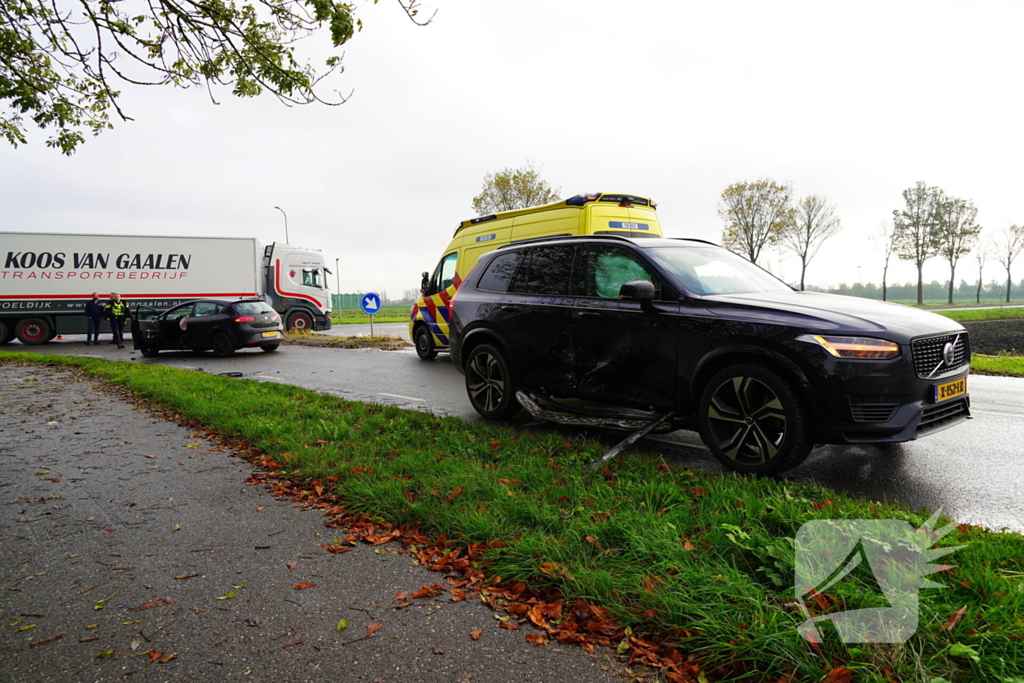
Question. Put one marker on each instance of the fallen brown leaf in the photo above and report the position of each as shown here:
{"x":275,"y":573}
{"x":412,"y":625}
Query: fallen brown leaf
{"x":475,"y":635}
{"x":302,"y":586}
{"x":373,"y":628}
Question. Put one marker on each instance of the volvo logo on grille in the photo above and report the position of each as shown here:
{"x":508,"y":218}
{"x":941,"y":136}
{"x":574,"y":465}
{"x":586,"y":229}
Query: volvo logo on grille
{"x":948,"y":354}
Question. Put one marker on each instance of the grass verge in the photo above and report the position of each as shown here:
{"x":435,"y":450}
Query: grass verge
{"x":1008,"y":366}
{"x":697,"y":563}
{"x":388,"y":314}
{"x":984,"y":314}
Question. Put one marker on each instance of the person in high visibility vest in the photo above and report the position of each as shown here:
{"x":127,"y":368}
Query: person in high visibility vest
{"x":117,"y":314}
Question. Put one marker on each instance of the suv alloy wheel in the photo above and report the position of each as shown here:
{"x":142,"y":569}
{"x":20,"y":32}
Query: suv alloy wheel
{"x":489,"y":383}
{"x":753,"y":420}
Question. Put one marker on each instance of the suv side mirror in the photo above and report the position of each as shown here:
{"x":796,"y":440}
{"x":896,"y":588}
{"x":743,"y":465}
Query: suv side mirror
{"x":637,"y":290}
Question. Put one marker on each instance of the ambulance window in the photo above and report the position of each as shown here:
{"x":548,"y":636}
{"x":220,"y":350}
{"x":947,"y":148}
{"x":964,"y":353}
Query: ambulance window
{"x":444,"y":276}
{"x":547,"y":271}
{"x":311,"y":278}
{"x":608,"y":268}
{"x":498,"y":275}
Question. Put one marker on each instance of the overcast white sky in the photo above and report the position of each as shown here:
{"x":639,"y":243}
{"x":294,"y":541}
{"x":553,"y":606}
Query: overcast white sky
{"x":672,"y":100}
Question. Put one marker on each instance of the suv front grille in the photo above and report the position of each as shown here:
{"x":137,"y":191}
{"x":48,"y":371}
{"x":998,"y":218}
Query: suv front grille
{"x":941,"y":414}
{"x":873,"y":408}
{"x":928,"y":354}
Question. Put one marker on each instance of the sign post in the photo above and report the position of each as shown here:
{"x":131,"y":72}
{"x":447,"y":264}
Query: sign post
{"x":370,"y":303}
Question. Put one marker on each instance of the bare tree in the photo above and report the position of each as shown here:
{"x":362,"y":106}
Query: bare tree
{"x":956,"y":231}
{"x":886,"y":234}
{"x":916,"y":233}
{"x":814,"y":222}
{"x":513,"y":188}
{"x":755,"y":215}
{"x":1007,"y":245}
{"x":980,"y":256}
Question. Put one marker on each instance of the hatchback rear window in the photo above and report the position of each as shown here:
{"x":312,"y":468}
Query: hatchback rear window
{"x":253,"y":308}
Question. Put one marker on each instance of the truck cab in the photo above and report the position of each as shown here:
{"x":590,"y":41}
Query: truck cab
{"x":296,"y":286}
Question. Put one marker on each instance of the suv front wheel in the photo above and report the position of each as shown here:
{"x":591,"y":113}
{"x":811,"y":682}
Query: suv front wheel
{"x":754,"y":421}
{"x":489,"y":383}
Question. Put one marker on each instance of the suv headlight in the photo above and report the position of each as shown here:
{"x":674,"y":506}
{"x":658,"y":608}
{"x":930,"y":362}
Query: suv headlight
{"x":863,"y":348}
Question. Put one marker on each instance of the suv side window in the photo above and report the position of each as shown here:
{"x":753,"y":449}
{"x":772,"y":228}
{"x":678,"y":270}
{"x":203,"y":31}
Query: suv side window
{"x":546,"y":270}
{"x":498,"y":275}
{"x":609,"y":267}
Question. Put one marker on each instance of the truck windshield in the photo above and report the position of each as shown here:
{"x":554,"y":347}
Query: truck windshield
{"x":712,"y":270}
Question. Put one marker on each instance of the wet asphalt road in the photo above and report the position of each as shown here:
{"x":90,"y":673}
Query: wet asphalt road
{"x":973,"y":471}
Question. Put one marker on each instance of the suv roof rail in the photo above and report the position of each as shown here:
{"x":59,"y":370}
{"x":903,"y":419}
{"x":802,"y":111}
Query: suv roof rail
{"x":550,"y":238}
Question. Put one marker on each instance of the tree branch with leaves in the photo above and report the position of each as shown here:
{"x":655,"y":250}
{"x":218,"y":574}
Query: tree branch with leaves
{"x":1007,"y":245}
{"x":917,"y":235}
{"x":814,"y":221}
{"x":756,"y":216}
{"x":513,"y":188}
{"x":957,"y":231}
{"x":62,"y":60}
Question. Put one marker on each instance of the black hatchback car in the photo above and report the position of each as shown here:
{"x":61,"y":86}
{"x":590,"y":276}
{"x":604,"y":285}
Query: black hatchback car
{"x":219,"y":324}
{"x":685,"y":328}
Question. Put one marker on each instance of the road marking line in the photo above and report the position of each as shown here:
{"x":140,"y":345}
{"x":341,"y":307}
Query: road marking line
{"x":276,"y":379}
{"x":989,"y":412}
{"x":407,"y":398}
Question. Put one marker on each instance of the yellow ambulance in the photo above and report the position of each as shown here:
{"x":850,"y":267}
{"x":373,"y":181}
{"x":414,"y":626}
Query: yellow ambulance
{"x":601,"y":213}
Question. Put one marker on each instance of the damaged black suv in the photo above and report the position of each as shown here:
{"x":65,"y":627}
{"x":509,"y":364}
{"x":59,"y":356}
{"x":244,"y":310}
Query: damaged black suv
{"x":686,"y":332}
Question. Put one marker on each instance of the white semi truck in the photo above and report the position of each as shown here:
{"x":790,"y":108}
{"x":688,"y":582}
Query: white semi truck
{"x":46,"y":278}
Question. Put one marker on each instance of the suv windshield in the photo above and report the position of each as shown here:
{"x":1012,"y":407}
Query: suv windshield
{"x":713,"y":270}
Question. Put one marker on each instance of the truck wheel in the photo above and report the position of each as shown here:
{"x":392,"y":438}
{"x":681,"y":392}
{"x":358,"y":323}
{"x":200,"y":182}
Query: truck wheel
{"x":299,"y":322}
{"x":6,"y":333}
{"x":490,"y":384}
{"x":425,"y":348}
{"x":754,"y":421}
{"x":32,"y":331}
{"x":222,"y":345}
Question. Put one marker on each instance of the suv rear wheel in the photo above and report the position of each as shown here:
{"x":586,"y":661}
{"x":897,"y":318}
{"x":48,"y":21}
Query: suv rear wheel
{"x":489,"y":383}
{"x":754,"y":421}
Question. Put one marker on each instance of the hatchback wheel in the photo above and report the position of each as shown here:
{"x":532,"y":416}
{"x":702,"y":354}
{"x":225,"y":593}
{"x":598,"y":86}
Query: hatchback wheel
{"x":489,"y":383}
{"x":269,"y":347}
{"x":222,"y":345}
{"x":150,"y":353}
{"x":425,"y":348}
{"x":754,"y":421}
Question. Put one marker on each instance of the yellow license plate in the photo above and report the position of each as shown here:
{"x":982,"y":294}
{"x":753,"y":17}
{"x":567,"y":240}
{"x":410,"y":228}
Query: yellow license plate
{"x":270,"y":334}
{"x":950,"y":390}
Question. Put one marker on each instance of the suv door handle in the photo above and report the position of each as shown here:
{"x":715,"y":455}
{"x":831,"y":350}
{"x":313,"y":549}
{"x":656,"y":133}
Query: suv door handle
{"x":586,"y":314}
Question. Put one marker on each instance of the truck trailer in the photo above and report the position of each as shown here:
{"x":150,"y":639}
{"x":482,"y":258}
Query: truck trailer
{"x":46,"y":278}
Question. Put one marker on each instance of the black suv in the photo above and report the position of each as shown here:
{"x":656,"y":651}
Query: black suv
{"x":686,"y":328}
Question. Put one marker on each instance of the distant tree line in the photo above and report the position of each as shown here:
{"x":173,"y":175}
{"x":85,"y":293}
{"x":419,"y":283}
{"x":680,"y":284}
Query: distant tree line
{"x":763,"y":214}
{"x":964,"y":292}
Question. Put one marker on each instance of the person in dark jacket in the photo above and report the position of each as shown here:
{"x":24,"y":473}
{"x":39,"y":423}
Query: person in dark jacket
{"x":117,"y":314}
{"x":94,"y":314}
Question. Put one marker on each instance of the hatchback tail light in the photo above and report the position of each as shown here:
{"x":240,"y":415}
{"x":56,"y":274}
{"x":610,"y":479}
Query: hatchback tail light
{"x":245,"y":319}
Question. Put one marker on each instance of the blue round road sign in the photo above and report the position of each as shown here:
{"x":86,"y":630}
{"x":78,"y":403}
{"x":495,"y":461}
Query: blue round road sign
{"x":370,"y":303}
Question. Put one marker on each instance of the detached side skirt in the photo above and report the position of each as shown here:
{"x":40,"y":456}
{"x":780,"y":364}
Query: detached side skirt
{"x":642,"y":423}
